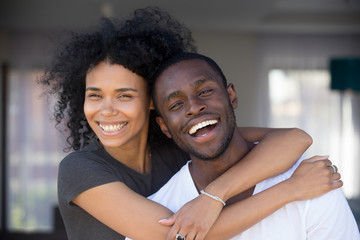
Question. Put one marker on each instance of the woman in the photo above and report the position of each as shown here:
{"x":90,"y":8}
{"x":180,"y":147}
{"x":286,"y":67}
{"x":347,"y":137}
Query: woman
{"x":101,"y":82}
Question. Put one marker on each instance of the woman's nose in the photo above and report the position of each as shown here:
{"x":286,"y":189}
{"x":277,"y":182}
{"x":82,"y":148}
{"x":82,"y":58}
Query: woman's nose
{"x":108,"y":108}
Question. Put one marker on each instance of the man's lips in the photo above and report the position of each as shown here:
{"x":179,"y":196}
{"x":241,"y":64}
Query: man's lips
{"x":201,"y":125}
{"x":112,"y":127}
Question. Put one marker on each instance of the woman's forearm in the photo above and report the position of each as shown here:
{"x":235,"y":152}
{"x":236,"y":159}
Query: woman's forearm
{"x":238,"y":217}
{"x":311,"y":179}
{"x":276,"y":152}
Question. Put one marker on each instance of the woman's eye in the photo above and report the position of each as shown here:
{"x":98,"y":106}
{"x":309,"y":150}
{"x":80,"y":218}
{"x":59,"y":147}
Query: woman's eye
{"x":125,"y":97}
{"x":94,"y":96}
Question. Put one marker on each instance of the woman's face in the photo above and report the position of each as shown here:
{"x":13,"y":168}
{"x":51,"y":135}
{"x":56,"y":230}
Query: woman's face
{"x":117,"y":105}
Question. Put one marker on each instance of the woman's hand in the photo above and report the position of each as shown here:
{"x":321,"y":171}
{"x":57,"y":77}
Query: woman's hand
{"x":314,"y":177}
{"x":194,"y":219}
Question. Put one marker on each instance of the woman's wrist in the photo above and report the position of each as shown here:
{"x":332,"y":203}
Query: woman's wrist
{"x":222,"y":191}
{"x":214,"y":197}
{"x":286,"y":191}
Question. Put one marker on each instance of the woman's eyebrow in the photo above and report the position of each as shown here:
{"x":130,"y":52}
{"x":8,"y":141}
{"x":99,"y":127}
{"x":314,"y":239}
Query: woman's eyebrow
{"x":92,"y":89}
{"x":126,"y":90}
{"x":95,"y":89}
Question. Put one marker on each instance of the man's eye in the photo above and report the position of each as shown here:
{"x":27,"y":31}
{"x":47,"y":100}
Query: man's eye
{"x":175,"y":106}
{"x":205,"y":92}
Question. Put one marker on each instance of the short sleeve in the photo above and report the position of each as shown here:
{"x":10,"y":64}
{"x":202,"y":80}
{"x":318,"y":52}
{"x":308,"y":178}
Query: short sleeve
{"x":79,"y":172}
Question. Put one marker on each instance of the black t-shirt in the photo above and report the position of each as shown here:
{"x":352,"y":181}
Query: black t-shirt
{"x":93,"y":166}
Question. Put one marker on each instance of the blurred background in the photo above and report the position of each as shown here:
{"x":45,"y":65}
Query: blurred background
{"x":294,"y":64}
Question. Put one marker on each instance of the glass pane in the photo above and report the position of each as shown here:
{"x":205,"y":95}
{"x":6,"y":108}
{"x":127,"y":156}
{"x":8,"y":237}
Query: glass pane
{"x":302,"y":98}
{"x":34,"y":151}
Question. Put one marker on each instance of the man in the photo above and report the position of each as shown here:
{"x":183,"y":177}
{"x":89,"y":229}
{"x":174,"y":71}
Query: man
{"x":196,"y":105}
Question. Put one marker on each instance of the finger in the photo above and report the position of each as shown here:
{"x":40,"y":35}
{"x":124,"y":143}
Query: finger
{"x":200,"y":236}
{"x":191,"y":235}
{"x":316,"y":158}
{"x":333,"y":168}
{"x":335,"y":177}
{"x":172,"y":233}
{"x":337,"y":184}
{"x":321,"y":163}
{"x":327,"y":162}
{"x":180,"y":236}
{"x":167,"y":222}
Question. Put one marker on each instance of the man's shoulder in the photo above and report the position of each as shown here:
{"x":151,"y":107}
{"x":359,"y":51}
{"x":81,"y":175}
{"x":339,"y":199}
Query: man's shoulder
{"x":179,"y":181}
{"x":177,"y":191}
{"x":269,"y":182}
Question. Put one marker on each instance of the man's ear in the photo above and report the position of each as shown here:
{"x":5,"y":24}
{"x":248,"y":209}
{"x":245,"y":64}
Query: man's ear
{"x":232,"y":95}
{"x":163,"y":126}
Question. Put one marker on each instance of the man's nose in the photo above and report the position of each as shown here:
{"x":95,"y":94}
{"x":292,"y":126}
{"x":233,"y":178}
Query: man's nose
{"x":195,"y":106}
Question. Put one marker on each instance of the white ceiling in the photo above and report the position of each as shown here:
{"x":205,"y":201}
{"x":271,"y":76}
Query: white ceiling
{"x":228,"y":15}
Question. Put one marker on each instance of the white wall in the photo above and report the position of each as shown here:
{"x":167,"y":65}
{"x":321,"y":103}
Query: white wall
{"x":236,"y":55}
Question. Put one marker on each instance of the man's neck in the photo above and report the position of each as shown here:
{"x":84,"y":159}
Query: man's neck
{"x":204,"y":172}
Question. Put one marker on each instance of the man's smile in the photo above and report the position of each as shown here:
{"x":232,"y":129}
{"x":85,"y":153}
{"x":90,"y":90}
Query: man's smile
{"x":193,"y":130}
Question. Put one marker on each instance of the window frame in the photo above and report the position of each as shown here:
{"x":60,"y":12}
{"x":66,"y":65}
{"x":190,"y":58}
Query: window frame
{"x":58,"y":232}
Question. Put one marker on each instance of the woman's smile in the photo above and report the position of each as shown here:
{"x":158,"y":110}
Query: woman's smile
{"x":112,"y":128}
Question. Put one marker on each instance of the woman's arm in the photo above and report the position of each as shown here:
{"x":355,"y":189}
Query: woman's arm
{"x":134,"y":216}
{"x":277,"y":151}
{"x":312,"y":178}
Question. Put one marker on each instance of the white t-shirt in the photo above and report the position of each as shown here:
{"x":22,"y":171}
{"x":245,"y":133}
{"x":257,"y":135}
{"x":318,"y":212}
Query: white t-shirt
{"x":325,"y":217}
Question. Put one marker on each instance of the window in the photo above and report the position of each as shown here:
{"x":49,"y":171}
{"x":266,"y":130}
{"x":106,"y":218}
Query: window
{"x":34,"y":149}
{"x":302,"y":98}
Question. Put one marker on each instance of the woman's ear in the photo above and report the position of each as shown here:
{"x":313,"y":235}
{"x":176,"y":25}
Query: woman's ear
{"x":232,"y":95}
{"x":163,"y":126}
{"x":152,"y":107}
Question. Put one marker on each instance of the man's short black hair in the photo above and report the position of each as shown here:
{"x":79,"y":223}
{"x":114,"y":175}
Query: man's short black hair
{"x":184,"y":56}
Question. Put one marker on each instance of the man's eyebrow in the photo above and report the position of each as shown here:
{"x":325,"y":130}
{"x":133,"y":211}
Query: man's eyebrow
{"x":202,"y":80}
{"x":172,"y":95}
{"x":95,"y":89}
{"x":195,"y":84}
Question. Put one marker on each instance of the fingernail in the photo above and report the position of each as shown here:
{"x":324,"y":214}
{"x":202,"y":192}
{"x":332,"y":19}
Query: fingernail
{"x":160,"y":221}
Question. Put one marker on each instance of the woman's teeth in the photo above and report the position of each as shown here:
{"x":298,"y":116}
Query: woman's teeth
{"x":112,"y":128}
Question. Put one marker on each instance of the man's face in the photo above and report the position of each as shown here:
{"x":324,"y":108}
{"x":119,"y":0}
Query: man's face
{"x":196,"y":109}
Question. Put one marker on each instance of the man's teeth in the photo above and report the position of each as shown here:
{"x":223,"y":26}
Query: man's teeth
{"x":112,"y":128}
{"x":201,"y":125}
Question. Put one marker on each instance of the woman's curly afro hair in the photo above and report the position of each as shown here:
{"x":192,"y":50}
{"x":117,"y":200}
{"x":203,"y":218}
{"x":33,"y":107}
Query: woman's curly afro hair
{"x":140,"y":43}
